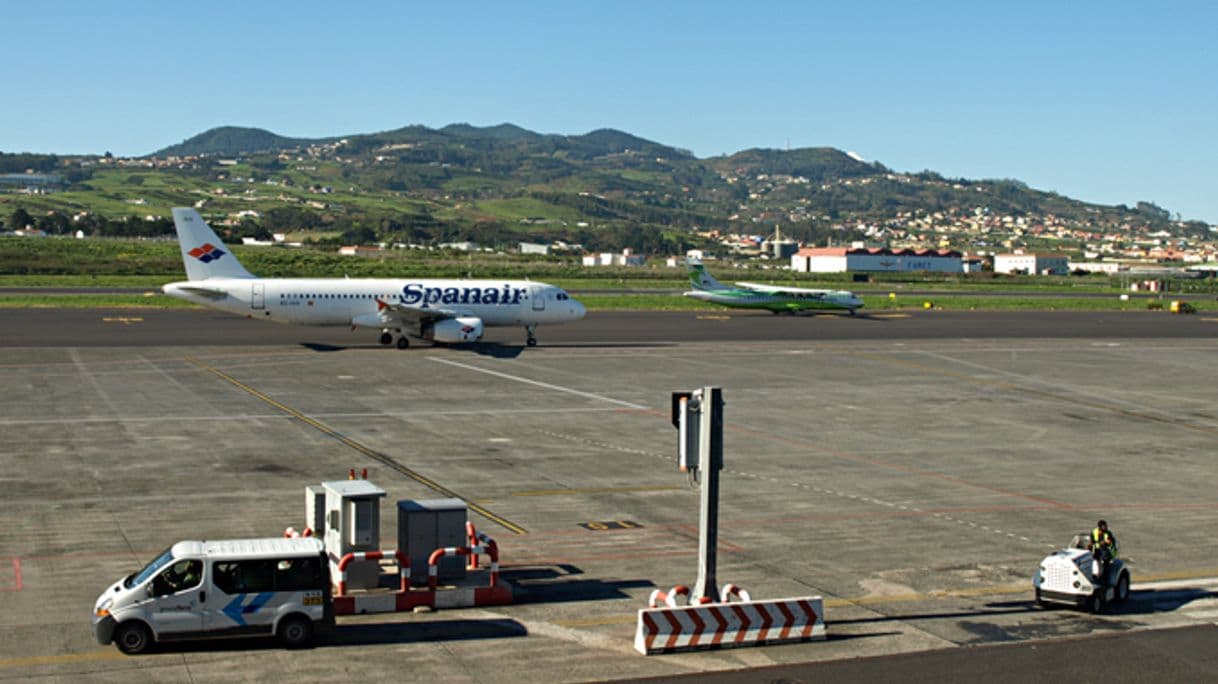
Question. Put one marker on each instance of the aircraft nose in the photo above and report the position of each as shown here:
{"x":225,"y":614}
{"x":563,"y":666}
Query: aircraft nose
{"x":577,"y":310}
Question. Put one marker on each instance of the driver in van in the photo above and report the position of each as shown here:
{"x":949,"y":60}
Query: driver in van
{"x":183,"y":575}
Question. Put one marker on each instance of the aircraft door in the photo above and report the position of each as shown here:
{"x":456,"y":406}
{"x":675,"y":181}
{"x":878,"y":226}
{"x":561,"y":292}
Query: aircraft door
{"x":258,"y":296}
{"x":538,"y":295}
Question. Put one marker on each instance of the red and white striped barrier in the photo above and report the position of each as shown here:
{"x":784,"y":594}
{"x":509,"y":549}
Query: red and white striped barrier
{"x":729,"y":590}
{"x":476,"y":538}
{"x":725,"y":625}
{"x":496,"y":594}
{"x":403,"y":567}
{"x":383,"y":602}
{"x":669,"y":598}
{"x":292,"y":533}
{"x":433,"y":560}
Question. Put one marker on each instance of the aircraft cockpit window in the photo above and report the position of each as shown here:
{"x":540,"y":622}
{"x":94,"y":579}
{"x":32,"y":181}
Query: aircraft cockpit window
{"x":562,"y":297}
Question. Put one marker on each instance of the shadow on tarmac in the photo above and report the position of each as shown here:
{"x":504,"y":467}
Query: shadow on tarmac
{"x":554,"y":584}
{"x":494,"y":350}
{"x":1006,"y":608}
{"x":427,"y":630}
{"x":1148,"y":601}
{"x":363,"y":635}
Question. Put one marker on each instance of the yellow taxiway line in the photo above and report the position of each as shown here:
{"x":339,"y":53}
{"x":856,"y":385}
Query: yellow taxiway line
{"x":366,"y":451}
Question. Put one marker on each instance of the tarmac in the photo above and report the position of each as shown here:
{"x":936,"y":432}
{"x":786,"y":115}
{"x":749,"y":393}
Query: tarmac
{"x":912,"y":468}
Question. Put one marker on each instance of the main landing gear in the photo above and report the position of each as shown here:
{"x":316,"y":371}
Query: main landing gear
{"x":532,"y":339}
{"x":403,"y":342}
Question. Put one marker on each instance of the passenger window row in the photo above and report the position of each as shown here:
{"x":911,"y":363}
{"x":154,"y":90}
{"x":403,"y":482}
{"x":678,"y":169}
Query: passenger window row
{"x":251,"y":576}
{"x":286,"y":295}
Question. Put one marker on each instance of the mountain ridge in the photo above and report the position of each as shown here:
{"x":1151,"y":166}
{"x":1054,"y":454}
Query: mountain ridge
{"x":605,"y":189}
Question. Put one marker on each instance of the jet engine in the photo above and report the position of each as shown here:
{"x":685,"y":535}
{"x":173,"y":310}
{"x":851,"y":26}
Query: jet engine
{"x":455,"y":330}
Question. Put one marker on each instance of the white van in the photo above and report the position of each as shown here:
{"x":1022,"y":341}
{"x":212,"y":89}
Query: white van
{"x":242,"y":587}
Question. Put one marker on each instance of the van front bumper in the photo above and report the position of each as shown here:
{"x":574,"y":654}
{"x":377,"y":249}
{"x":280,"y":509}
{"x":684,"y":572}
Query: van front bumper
{"x":1063,"y":597}
{"x":103,"y":629}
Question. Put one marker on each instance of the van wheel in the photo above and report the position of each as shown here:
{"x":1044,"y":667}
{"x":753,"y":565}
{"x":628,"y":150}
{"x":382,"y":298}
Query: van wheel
{"x":295,"y":632}
{"x":1122,"y":588}
{"x":132,"y":637}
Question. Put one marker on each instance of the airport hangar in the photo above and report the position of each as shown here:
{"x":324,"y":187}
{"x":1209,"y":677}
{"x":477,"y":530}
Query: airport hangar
{"x":863,"y":259}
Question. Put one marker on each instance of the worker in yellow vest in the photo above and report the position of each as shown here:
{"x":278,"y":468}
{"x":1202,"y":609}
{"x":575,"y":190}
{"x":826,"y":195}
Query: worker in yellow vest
{"x":1103,"y":549}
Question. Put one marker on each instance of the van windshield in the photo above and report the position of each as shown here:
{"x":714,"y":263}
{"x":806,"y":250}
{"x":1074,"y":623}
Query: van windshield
{"x":149,"y":570}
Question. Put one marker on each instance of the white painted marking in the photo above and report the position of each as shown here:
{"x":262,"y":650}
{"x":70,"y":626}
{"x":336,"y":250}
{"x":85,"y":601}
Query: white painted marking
{"x":538,"y":383}
{"x":346,"y":377}
{"x":284,"y":416}
{"x":499,"y":439}
{"x":1199,"y":582}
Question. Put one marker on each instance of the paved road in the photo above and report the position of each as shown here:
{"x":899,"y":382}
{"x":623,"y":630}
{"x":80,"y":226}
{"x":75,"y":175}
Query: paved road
{"x":1177,"y":655}
{"x":93,"y":412}
{"x":177,"y":327}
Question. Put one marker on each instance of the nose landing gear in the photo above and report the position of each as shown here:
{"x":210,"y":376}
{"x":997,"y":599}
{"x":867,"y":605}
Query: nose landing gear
{"x":532,"y":339}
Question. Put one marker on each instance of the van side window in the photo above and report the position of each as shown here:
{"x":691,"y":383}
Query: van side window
{"x":244,"y":577}
{"x":182,"y":575}
{"x":298,"y":574}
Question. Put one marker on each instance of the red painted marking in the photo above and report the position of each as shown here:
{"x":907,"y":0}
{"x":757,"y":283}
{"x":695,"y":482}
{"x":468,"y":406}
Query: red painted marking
{"x":766,"y":621}
{"x":811,"y":618}
{"x":699,"y":627}
{"x":650,"y":629}
{"x":744,"y":623}
{"x":721,"y":624}
{"x":789,"y":621}
{"x":344,"y":605}
{"x":676,"y":630}
{"x":17,"y":585}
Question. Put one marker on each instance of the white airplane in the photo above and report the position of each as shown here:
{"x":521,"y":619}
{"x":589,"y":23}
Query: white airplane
{"x":439,"y":310}
{"x":769,"y":297}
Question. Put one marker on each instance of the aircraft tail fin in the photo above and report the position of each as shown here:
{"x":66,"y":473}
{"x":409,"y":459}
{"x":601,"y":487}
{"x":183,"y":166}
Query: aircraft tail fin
{"x":203,"y":253}
{"x":699,"y":278}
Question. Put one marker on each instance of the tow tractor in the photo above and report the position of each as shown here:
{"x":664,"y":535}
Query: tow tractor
{"x":1071,"y":576}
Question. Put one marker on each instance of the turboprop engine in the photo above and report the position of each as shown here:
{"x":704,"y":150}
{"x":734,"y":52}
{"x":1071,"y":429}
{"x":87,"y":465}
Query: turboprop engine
{"x":455,"y":330}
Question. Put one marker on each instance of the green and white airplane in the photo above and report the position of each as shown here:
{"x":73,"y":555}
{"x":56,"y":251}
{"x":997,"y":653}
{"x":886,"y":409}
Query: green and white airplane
{"x":769,"y":297}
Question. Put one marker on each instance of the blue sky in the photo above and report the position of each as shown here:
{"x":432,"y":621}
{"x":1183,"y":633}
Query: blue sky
{"x":1108,"y":102}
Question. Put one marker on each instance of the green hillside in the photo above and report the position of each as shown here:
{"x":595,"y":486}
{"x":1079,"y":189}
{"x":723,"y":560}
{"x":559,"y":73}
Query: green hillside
{"x":500,"y":184}
{"x":230,"y":140}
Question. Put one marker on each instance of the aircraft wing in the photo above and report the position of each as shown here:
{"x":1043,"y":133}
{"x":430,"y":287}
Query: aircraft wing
{"x":774,"y":289}
{"x":413,"y":315}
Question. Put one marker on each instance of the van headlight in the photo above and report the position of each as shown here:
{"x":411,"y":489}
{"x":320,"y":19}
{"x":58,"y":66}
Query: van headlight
{"x":104,"y":609}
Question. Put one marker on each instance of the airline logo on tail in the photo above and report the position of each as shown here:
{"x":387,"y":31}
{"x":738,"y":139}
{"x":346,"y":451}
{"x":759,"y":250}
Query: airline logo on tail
{"x":207,"y":252}
{"x":699,"y":278}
